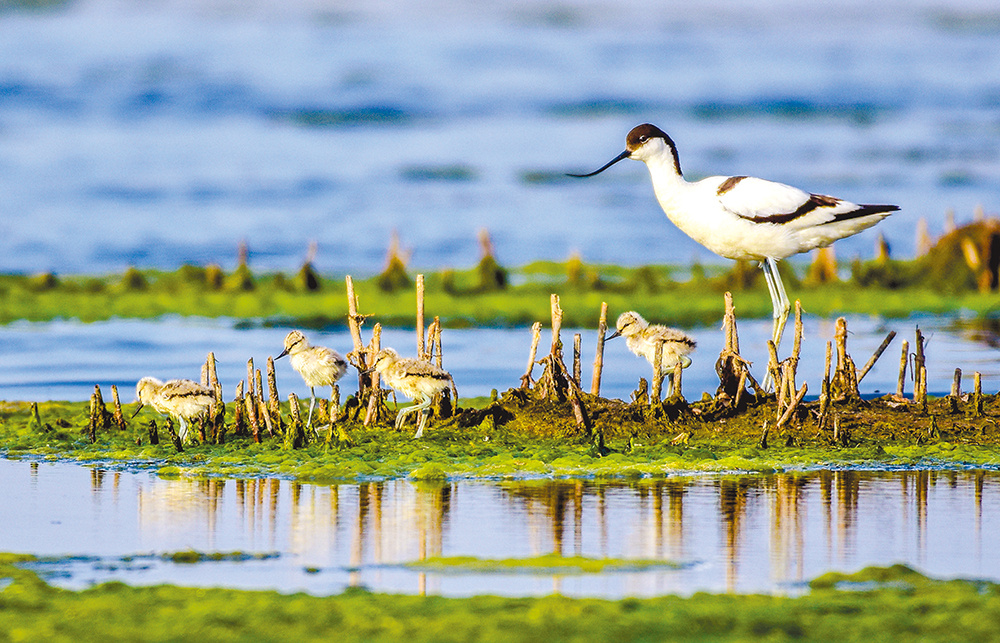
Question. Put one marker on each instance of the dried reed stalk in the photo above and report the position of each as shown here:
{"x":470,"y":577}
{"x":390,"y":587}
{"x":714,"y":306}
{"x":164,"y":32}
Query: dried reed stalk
{"x":576,"y":358}
{"x":774,"y":370}
{"x":602,"y":329}
{"x":877,"y":354}
{"x":740,"y":388}
{"x":373,"y":413}
{"x":977,"y":394}
{"x":273,"y":401}
{"x":791,"y":407}
{"x":357,"y":356}
{"x":903,"y":361}
{"x":536,"y":333}
{"x":793,"y":360}
{"x":657,"y":380}
{"x":118,"y":416}
{"x":824,"y":394}
{"x":421,"y":348}
{"x":250,"y":378}
{"x":259,"y":398}
{"x":295,"y":435}
{"x":263,"y":412}
{"x":252,"y":418}
{"x":438,"y":348}
{"x":239,"y":421}
{"x":213,"y":373}
{"x":557,"y":317}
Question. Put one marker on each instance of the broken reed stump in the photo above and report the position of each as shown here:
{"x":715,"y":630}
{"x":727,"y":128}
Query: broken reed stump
{"x":421,"y":348}
{"x":295,"y":436}
{"x":919,"y":371}
{"x":374,"y":414}
{"x":154,"y":436}
{"x":640,"y":396}
{"x":335,"y":423}
{"x":555,"y":383}
{"x":877,"y":354}
{"x":977,"y":394}
{"x":174,"y":439}
{"x":239,"y":418}
{"x":430,"y":341}
{"x":273,"y":401}
{"x":100,"y":418}
{"x":218,"y":412}
{"x":252,"y":419}
{"x":259,"y":399}
{"x":903,"y":361}
{"x":438,"y":347}
{"x":576,"y":358}
{"x":845,"y":377}
{"x":602,"y":329}
{"x":250,"y":380}
{"x":446,"y":401}
{"x":557,"y":317}
{"x":263,"y":414}
{"x":536,"y":334}
{"x":655,"y":396}
{"x":119,"y":418}
{"x":34,"y":420}
{"x":357,"y":357}
{"x":956,"y":391}
{"x":825,"y":389}
{"x":730,"y":366}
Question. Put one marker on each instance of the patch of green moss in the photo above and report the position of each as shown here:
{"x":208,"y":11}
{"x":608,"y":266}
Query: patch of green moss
{"x":538,"y":440}
{"x":548,"y":564}
{"x":894,"y":604}
{"x":486,"y":294}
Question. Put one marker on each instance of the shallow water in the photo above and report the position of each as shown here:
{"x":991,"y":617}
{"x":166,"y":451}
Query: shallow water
{"x":729,"y":533}
{"x":63,"y":360}
{"x":153,"y":134}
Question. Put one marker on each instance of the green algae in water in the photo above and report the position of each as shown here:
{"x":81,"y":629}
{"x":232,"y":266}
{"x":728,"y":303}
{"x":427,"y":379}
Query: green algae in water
{"x":511,"y":452}
{"x":548,"y":564}
{"x":190,"y":557}
{"x":900,"y":606}
{"x":458,"y":296}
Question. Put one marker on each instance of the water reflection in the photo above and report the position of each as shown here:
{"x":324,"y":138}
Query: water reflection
{"x":732,"y":533}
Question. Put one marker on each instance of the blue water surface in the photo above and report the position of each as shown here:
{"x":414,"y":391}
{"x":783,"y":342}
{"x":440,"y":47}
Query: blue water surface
{"x":151,"y":134}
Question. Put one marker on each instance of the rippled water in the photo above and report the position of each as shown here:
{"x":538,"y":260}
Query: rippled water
{"x":63,"y":360}
{"x":729,"y":533}
{"x":157,"y":133}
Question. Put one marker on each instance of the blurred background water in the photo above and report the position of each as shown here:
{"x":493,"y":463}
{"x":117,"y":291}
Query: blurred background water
{"x":64,"y":359}
{"x":156,"y":133}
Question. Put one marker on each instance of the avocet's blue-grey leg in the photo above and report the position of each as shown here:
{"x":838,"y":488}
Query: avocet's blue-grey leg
{"x":425,"y":411}
{"x":779,"y":299}
{"x":312,"y":404}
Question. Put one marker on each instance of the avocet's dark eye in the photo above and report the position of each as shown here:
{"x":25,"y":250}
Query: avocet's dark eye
{"x":643,"y":138}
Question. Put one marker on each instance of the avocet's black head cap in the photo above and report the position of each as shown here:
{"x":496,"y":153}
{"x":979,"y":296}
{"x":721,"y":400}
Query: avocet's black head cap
{"x":636,"y":139}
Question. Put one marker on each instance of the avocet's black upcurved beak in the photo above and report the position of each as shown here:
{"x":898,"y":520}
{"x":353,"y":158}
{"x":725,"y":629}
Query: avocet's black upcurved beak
{"x":137,"y":409}
{"x":622,"y":156}
{"x":617,"y":333}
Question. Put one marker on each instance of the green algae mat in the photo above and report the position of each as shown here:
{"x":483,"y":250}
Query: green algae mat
{"x":628,"y":441}
{"x":468,"y":298}
{"x":876,"y":604}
